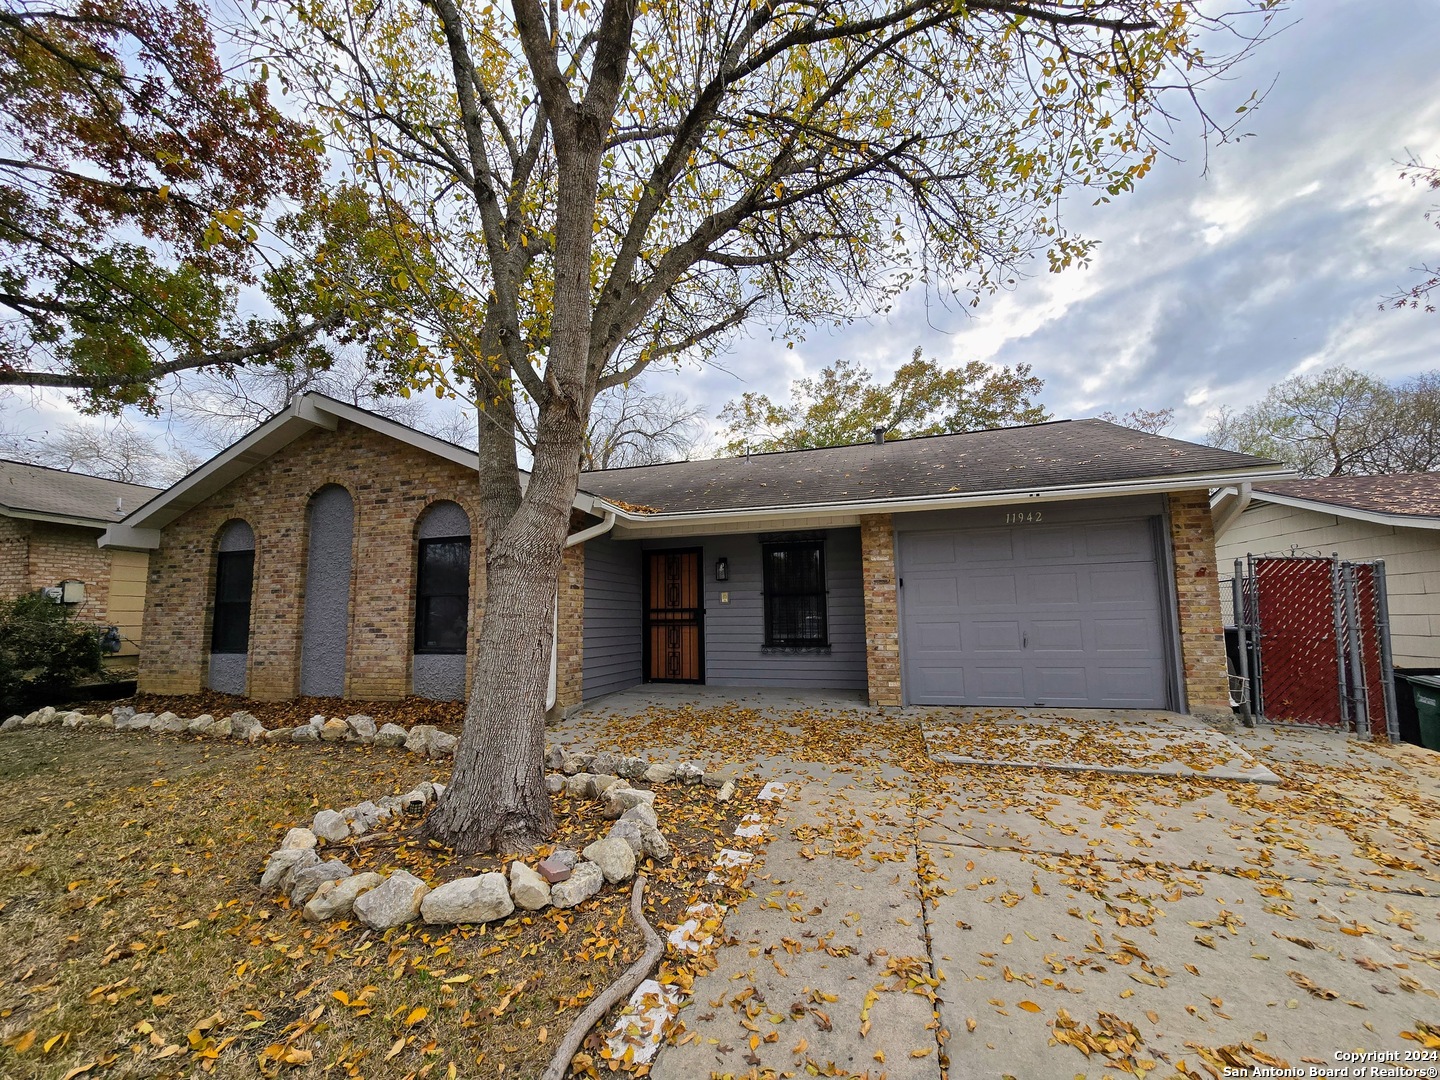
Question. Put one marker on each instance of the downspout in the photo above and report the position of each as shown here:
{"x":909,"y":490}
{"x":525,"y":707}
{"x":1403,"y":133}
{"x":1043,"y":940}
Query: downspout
{"x":570,"y":541}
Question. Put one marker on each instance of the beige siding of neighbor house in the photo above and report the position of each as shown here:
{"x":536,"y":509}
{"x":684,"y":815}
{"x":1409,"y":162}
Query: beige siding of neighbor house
{"x":1412,"y":565}
{"x":127,"y":597}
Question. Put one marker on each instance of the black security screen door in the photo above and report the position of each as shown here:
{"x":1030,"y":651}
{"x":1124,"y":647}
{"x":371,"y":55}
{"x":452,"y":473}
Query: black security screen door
{"x":674,"y":612}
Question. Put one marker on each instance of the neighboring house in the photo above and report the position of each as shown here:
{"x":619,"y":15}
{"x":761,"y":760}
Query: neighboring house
{"x":1069,"y":564}
{"x":50,"y":525}
{"x":1395,"y":518}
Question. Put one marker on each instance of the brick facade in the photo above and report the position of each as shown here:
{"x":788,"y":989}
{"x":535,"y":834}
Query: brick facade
{"x":882,"y":611}
{"x":36,"y":554}
{"x":570,"y":655}
{"x":391,"y":484}
{"x":1197,"y":601}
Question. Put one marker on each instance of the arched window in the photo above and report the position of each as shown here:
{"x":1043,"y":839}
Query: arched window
{"x":230,"y":622}
{"x":326,"y":627}
{"x":442,"y":590}
{"x":442,"y":602}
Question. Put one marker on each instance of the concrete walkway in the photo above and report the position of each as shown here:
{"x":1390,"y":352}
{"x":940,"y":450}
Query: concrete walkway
{"x":923,"y":918}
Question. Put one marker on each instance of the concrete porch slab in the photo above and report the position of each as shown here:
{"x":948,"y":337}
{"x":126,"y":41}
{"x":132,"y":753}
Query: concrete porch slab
{"x":1111,"y":742}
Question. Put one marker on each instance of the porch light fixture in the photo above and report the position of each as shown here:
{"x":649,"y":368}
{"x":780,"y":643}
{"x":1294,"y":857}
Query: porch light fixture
{"x":722,"y":569}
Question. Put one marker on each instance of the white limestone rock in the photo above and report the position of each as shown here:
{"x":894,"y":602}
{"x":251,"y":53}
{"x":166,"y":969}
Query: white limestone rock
{"x":394,"y":902}
{"x":338,"y":899}
{"x":687,"y":772}
{"x":361,"y":728}
{"x":615,"y":858}
{"x":305,"y":733}
{"x":333,"y":731}
{"x":298,"y":838}
{"x":245,"y":727}
{"x":282,"y":866}
{"x":528,"y":889}
{"x":480,"y":899}
{"x":329,"y":825}
{"x":617,"y":800}
{"x":391,"y":735}
{"x":201,"y":725}
{"x":583,"y":883}
{"x":630,"y":832}
{"x":303,"y":883}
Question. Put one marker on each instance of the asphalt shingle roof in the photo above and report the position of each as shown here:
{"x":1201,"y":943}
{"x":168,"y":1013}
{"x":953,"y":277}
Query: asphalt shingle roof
{"x":1412,"y":494}
{"x":1062,"y":454}
{"x":38,"y":490}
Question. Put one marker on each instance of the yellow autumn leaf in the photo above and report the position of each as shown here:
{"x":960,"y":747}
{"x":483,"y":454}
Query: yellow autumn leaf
{"x":341,"y":996}
{"x":880,"y":1056}
{"x":50,"y":1042}
{"x":21,"y":1043}
{"x":1007,"y":939}
{"x":394,"y":1050}
{"x":416,"y":1015}
{"x":970,"y":1024}
{"x":921,"y":1053}
{"x":1029,"y":1006}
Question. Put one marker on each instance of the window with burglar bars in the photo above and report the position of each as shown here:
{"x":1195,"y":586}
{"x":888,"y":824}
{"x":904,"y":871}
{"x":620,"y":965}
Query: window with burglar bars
{"x":234,"y":582}
{"x":794,"y":574}
{"x":442,"y":596}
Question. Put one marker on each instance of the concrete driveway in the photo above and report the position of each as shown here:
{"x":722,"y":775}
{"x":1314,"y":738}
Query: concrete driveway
{"x":1269,"y":899}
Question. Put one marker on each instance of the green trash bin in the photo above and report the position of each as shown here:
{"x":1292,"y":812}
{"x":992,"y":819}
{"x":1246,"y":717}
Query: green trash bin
{"x":1426,"y":691}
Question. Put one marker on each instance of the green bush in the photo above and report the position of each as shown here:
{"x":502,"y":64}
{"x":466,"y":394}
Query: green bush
{"x":43,"y":651}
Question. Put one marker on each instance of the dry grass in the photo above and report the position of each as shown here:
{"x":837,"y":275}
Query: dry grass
{"x":137,"y":943}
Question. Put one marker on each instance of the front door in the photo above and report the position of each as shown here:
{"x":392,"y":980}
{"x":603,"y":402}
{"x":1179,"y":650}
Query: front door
{"x":674,"y":617}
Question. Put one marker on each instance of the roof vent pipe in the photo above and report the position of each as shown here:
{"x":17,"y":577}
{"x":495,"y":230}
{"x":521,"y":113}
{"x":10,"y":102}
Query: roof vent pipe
{"x":879,"y":434}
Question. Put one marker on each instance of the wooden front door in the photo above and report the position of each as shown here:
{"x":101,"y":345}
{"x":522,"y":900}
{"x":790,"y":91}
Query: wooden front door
{"x":674,"y":617}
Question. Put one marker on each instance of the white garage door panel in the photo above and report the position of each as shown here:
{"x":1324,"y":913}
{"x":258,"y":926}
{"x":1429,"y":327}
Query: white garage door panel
{"x":1063,"y":615}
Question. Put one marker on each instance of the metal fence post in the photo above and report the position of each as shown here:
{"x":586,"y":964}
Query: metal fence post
{"x":1387,"y":658}
{"x":1242,"y":642}
{"x":1357,"y":661}
{"x":1337,"y":616}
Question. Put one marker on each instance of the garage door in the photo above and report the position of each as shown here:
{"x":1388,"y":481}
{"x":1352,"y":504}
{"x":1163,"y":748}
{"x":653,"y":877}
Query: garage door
{"x":1064,"y":615}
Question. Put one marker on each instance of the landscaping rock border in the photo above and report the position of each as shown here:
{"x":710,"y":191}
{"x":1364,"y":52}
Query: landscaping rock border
{"x":564,"y":879}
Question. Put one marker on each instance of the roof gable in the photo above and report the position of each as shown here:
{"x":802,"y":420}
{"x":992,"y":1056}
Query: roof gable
{"x":305,"y":413}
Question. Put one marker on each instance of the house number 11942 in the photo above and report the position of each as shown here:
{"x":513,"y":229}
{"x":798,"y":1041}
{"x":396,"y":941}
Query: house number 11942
{"x":1024,"y":517}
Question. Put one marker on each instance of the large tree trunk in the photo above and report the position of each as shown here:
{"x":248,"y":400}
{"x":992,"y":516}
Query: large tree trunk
{"x":496,"y":800}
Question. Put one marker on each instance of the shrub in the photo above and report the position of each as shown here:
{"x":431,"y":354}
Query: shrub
{"x":43,"y":651}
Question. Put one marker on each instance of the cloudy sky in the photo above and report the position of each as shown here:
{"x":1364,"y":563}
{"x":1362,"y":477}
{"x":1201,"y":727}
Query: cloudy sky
{"x":1208,"y":286}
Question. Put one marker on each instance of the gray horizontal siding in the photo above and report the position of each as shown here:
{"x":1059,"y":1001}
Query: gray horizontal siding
{"x":735,"y":653}
{"x":612,"y":624}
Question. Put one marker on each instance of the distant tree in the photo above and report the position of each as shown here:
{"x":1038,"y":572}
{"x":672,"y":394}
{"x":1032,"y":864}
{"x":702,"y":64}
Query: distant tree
{"x":136,"y":176}
{"x":1339,"y":422}
{"x":630,"y":426}
{"x":222,"y":407}
{"x":844,"y":404}
{"x":1420,"y":294}
{"x":1155,"y":421}
{"x":114,"y":451}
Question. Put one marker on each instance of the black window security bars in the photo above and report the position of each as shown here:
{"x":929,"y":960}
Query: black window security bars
{"x":442,"y":595}
{"x":234,"y":581}
{"x":794,"y":579}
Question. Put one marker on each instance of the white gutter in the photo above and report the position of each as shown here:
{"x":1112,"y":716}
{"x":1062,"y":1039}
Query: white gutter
{"x":1375,"y":517}
{"x":1231,"y":503}
{"x":954,"y":502}
{"x":570,"y":541}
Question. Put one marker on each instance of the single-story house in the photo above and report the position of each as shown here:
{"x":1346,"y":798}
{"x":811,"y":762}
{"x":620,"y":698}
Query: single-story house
{"x":50,"y":522}
{"x":1067,"y":564}
{"x":1395,"y":518}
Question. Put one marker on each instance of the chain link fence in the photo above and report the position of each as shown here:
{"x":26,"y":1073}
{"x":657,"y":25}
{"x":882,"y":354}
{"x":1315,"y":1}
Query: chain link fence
{"x":1309,"y":643}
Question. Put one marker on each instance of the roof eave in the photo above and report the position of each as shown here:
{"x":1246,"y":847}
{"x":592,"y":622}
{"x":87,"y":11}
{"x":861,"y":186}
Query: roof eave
{"x":54,"y":519}
{"x":634,"y":522}
{"x":1374,"y":517}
